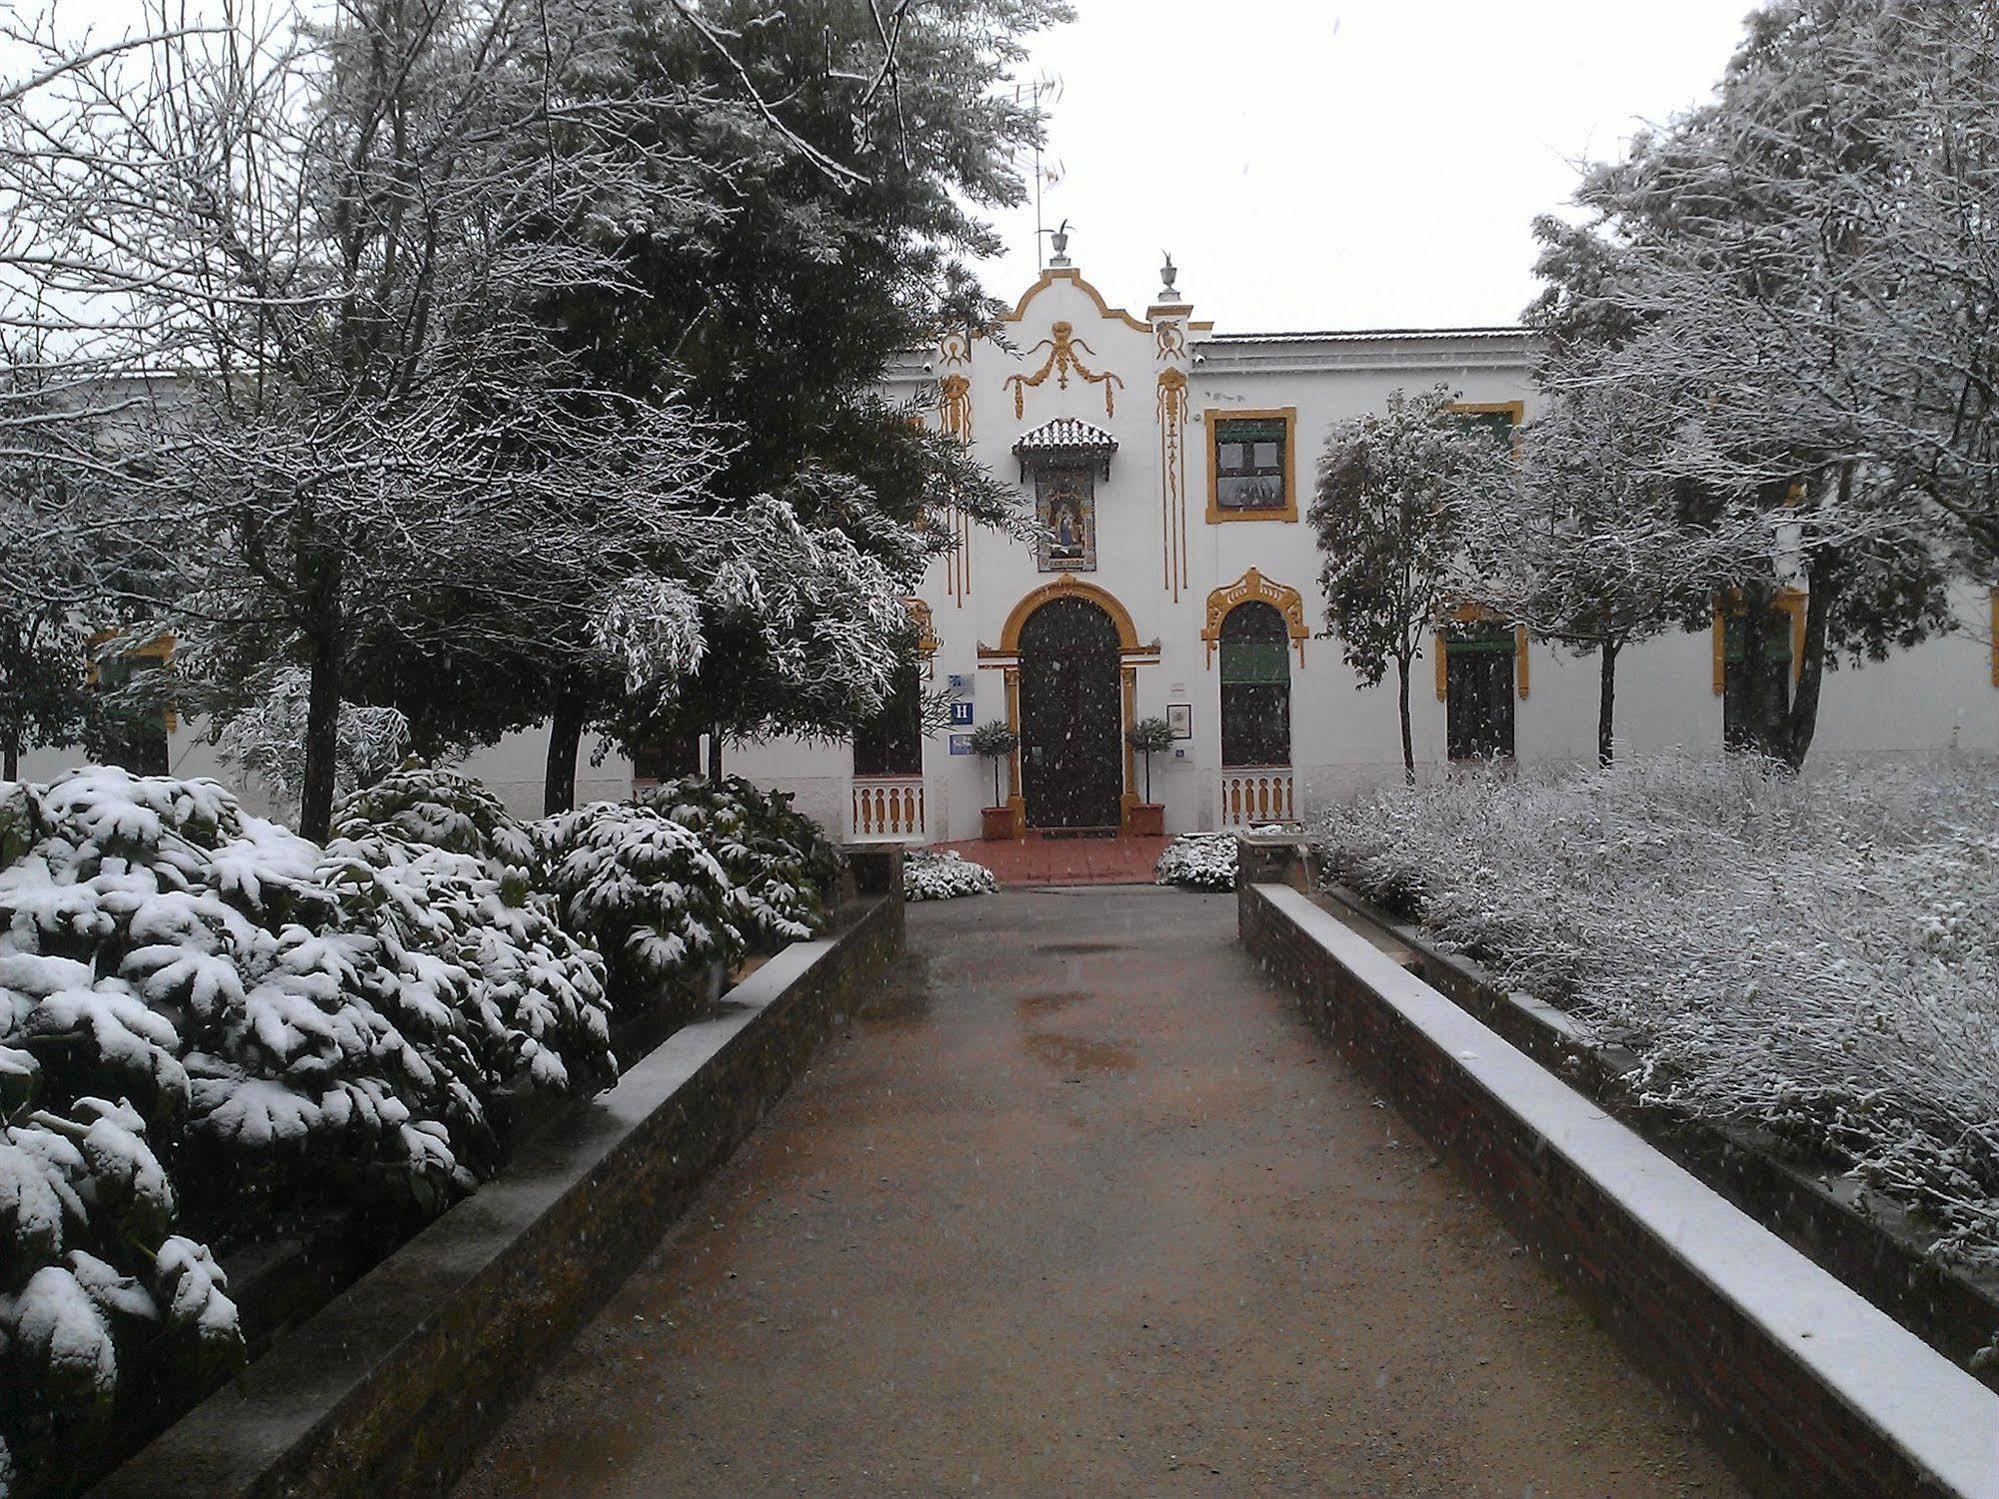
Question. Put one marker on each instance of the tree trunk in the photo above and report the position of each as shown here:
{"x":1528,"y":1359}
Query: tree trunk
{"x":715,"y":754}
{"x":1606,"y":698}
{"x":1402,"y":703}
{"x":1760,"y":726}
{"x":1801,"y":724}
{"x":322,"y":741}
{"x":10,"y":755}
{"x":565,"y":738}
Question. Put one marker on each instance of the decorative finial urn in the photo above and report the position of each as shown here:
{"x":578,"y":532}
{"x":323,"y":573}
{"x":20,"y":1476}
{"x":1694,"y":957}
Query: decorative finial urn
{"x":1058,"y":241}
{"x":1168,"y":274}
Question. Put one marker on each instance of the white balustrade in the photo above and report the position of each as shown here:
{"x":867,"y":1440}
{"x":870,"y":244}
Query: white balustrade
{"x":1253,"y":795}
{"x":888,"y":809}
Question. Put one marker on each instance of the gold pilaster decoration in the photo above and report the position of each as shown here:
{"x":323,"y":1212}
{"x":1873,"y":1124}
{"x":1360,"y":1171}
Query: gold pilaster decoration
{"x":1015,"y":800}
{"x":1129,"y":681}
{"x":954,"y":419}
{"x":1172,"y":409}
{"x":954,"y":407}
{"x":1063,"y":360}
{"x":926,"y":633}
{"x":1253,"y":587}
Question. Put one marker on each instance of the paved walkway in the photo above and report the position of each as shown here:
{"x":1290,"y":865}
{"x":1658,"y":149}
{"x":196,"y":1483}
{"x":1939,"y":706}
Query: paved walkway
{"x":1066,"y":861}
{"x":1085,"y":1209}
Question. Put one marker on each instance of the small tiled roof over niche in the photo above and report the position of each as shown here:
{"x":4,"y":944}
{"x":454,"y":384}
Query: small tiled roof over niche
{"x":1065,"y":438}
{"x":1066,"y":435}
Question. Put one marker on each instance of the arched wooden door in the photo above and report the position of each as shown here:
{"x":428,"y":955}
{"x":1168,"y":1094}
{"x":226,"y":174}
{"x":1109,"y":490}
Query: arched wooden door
{"x":1071,"y":721}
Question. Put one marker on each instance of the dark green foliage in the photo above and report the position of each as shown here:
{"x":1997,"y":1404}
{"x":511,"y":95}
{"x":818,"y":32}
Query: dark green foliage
{"x":784,"y":866}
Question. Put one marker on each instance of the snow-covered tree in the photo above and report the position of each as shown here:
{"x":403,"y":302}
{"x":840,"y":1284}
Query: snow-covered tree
{"x":263,"y":734}
{"x":335,"y":224}
{"x":868,"y":138}
{"x":1794,"y":287}
{"x":1386,"y":512}
{"x":1589,"y":548}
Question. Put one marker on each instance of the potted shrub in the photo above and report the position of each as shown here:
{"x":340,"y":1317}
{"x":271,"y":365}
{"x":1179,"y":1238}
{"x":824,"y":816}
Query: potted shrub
{"x":1149,"y":736}
{"x":994,"y":741}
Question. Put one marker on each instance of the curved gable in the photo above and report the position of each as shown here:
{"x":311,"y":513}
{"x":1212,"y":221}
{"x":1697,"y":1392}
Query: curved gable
{"x":1075,"y":277}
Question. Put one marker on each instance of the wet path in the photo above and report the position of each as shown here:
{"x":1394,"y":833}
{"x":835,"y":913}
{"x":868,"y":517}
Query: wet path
{"x":1086,"y":1209}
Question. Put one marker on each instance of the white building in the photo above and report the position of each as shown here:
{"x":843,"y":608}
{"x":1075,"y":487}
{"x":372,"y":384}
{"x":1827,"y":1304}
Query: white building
{"x":1172,"y":464}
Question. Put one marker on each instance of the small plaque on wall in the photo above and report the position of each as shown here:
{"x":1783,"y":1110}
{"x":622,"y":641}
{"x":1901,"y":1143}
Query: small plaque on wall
{"x":961,"y":713}
{"x":961,"y":744}
{"x":1180,"y":719}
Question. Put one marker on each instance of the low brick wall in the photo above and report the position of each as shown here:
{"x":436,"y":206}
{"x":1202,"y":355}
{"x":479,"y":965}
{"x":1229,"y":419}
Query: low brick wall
{"x":1879,"y":1253}
{"x":1815,"y":1389}
{"x":391,"y":1388}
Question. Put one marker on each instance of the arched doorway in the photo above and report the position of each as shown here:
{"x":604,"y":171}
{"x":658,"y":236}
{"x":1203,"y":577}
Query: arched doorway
{"x":1071,"y":720}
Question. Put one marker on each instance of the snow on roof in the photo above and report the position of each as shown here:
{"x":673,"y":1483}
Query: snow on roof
{"x":1065,"y":432}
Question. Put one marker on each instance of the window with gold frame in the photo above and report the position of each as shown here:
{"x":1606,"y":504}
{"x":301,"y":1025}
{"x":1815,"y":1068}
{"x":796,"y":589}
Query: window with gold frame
{"x":1252,"y":465}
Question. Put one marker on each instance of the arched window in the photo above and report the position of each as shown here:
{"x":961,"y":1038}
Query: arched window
{"x":1256,"y":686}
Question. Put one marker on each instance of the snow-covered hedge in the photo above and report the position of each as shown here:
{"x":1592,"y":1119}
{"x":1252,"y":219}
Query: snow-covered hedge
{"x":1201,"y":861}
{"x":442,"y":809}
{"x":208,"y":1023}
{"x":943,"y":875}
{"x":210,"y":1027}
{"x":1815,"y":956}
{"x":780,"y":860}
{"x":648,"y":894}
{"x":445,"y":872}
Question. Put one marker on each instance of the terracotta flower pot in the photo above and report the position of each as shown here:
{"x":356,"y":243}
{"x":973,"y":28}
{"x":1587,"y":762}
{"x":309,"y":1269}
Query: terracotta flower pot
{"x":1148,"y":819}
{"x":998,"y":823}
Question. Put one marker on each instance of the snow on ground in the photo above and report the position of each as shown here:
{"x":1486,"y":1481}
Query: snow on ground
{"x":1816,"y":956}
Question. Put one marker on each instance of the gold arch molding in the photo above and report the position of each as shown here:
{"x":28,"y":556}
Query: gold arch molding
{"x":1007,"y":660}
{"x":1069,"y":586}
{"x":1253,"y":588}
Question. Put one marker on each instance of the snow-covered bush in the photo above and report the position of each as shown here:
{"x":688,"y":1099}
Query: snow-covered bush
{"x":209,"y":1024}
{"x":943,"y":875}
{"x":1817,"y":956}
{"x":647,"y":893}
{"x":1198,"y":861}
{"x":445,"y":875}
{"x":441,"y":809}
{"x":780,"y":860}
{"x":1201,"y":861}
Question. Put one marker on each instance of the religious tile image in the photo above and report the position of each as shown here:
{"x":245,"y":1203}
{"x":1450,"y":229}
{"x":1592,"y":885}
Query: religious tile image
{"x":1065,"y":501}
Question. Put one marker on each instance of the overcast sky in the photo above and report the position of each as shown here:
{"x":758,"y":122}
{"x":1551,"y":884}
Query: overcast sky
{"x":1343,"y":163}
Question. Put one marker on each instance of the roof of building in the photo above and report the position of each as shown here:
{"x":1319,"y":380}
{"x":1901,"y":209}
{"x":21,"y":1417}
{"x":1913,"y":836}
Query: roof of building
{"x":1065,"y":433}
{"x":1370,"y":335}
